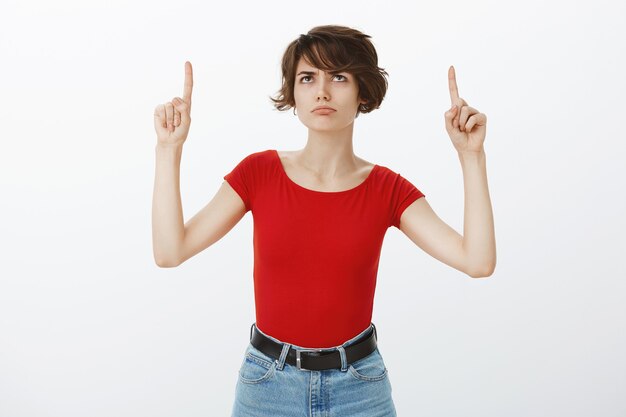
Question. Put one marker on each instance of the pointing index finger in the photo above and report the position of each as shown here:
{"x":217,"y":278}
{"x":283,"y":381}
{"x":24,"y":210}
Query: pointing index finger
{"x":188,"y":83}
{"x":454,"y":91}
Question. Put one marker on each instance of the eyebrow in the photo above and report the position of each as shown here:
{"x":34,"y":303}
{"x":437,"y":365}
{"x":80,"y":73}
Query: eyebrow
{"x":313,"y":72}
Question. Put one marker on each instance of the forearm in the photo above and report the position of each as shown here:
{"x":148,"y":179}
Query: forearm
{"x":479,"y":241}
{"x":168,"y":229}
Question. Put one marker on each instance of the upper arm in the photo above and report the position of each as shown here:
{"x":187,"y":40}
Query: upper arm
{"x":212,"y":222}
{"x":422,"y":225}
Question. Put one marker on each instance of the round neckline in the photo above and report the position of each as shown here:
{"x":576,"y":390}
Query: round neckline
{"x":284,"y":173}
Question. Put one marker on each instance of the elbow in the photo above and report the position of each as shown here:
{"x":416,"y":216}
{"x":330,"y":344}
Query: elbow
{"x":484,"y":272}
{"x":166,"y":257}
{"x":166,"y":263}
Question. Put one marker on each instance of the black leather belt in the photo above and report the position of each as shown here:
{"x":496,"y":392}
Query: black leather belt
{"x":315,"y":359}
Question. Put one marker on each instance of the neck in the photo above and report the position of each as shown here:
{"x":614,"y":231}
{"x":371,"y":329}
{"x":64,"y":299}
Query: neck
{"x":329,"y":154}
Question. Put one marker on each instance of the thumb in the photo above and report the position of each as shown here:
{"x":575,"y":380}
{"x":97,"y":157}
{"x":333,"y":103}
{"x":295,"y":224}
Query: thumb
{"x":183,"y":108}
{"x":449,"y":117}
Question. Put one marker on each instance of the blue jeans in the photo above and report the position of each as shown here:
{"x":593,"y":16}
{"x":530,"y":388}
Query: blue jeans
{"x":269,"y":387}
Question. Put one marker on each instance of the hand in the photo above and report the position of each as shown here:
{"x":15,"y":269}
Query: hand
{"x":465,"y":125}
{"x":172,"y":119}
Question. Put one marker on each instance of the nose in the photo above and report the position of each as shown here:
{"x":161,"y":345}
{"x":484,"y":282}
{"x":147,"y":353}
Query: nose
{"x":323,"y":91}
{"x":323,"y":95}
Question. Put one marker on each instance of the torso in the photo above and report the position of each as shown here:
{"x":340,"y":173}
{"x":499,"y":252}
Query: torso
{"x":306,"y":179}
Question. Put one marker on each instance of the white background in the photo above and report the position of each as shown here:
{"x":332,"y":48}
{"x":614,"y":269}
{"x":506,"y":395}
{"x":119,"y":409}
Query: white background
{"x":91,"y":326}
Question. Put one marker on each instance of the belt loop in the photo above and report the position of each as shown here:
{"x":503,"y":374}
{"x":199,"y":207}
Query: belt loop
{"x":251,"y":328}
{"x":344,"y":362}
{"x":283,"y":356}
{"x":375,"y":334}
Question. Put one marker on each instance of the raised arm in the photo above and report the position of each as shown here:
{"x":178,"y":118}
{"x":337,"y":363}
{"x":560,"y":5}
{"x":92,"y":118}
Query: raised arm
{"x":474,"y":253}
{"x":174,"y":242}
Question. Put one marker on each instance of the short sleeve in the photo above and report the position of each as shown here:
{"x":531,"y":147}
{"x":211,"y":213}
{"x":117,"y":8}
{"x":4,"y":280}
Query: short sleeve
{"x":241,"y":180}
{"x":404,"y":194}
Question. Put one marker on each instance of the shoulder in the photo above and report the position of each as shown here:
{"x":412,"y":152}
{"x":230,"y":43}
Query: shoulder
{"x":386,"y":174}
{"x":285,"y":157}
{"x":365,"y":167}
{"x":393,"y":183}
{"x":258,"y":158}
{"x":261,"y":155}
{"x":389,"y":174}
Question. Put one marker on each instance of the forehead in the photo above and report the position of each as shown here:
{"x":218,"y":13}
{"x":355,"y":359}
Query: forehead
{"x":304,"y":65}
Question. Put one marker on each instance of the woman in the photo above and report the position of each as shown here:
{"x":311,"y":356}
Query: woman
{"x":320,"y":215}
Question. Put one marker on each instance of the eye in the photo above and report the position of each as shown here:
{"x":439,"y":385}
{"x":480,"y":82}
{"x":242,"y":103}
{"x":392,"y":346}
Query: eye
{"x":302,"y":79}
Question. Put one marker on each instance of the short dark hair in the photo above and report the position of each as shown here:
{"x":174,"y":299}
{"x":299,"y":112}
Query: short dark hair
{"x":337,"y":49}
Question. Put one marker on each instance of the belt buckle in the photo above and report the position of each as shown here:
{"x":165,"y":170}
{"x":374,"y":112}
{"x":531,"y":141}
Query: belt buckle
{"x":298,"y":360}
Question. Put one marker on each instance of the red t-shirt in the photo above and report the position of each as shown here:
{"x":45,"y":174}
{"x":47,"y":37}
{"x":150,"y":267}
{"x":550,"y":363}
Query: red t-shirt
{"x":316,"y":253}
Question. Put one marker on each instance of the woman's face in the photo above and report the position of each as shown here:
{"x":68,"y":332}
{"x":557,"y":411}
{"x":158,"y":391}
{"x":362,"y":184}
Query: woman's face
{"x":314,"y":87}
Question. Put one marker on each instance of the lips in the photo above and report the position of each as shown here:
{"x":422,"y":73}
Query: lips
{"x":323,"y":108}
{"x":323,"y":111}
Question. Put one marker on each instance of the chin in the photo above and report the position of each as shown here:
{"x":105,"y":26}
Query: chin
{"x":326,"y":125}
